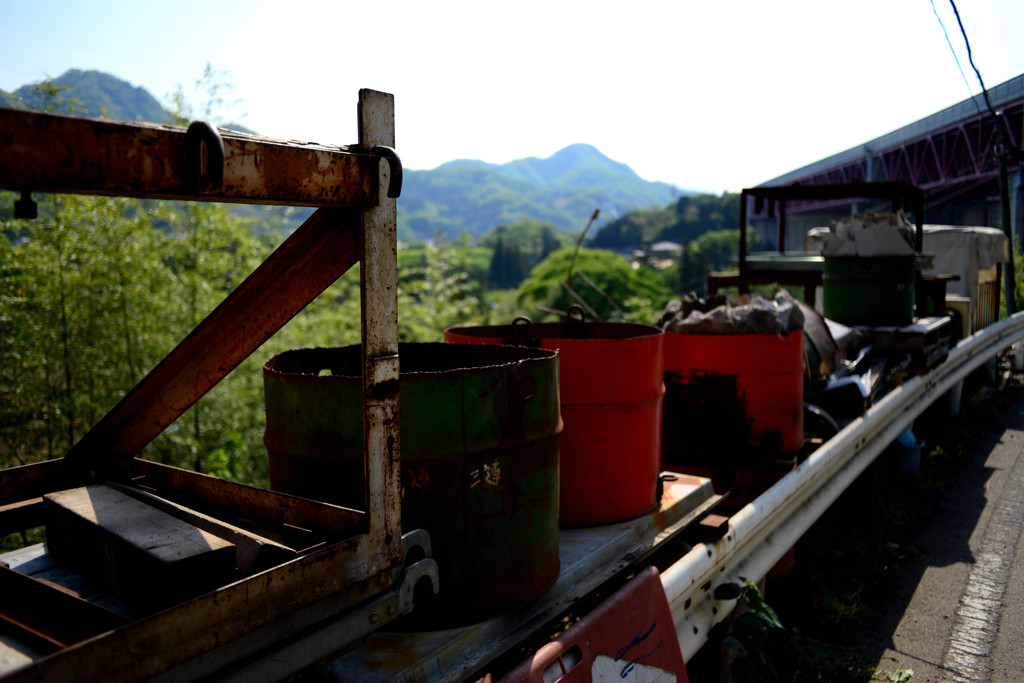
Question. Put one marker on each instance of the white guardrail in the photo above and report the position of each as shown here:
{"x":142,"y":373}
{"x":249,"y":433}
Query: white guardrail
{"x":763,"y":531}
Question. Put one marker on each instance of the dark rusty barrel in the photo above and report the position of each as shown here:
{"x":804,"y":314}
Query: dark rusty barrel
{"x":732,"y":395}
{"x":479,"y":430}
{"x":612,"y":389}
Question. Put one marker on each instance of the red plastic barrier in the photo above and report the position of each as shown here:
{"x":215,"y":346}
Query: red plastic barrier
{"x":630,"y":637}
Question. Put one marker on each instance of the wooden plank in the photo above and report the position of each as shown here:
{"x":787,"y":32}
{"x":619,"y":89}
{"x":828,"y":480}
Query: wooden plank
{"x":73,"y":154}
{"x":134,"y":550}
{"x":269,"y":513}
{"x":253,"y":552}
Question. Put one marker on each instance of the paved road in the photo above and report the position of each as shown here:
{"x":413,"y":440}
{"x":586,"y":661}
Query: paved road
{"x":956,"y":611}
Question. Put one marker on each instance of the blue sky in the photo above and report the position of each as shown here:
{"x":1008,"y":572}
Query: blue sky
{"x":709,"y":95}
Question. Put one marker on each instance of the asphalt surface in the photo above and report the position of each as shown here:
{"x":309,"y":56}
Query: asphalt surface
{"x":954,"y":609}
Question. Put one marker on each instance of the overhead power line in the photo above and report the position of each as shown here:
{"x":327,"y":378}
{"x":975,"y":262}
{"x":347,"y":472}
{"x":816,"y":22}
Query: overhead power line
{"x":955,"y":57}
{"x":970,"y":58}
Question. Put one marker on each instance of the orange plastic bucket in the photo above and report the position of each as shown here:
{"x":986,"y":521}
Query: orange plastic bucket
{"x":612,"y":385}
{"x":732,"y":394}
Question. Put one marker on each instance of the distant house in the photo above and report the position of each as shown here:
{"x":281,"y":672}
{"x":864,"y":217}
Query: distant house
{"x":661,"y":255}
{"x":665,"y":250}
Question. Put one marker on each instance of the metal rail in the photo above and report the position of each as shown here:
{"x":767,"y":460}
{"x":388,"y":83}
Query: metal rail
{"x":763,"y":531}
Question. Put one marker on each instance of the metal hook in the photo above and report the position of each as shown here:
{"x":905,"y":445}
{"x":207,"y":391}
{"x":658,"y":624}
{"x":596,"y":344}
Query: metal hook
{"x":199,"y":132}
{"x":26,"y":208}
{"x":575,"y":314}
{"x":517,"y":325}
{"x":395,"y":183}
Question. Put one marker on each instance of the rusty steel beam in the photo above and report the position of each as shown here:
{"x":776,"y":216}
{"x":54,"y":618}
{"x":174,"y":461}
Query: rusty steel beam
{"x":52,"y":611}
{"x":25,"y":482}
{"x":313,"y":257}
{"x":76,"y":155}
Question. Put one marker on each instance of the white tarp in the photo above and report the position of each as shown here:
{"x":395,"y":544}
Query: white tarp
{"x":869,"y":234}
{"x":964,"y":251}
{"x":958,"y":250}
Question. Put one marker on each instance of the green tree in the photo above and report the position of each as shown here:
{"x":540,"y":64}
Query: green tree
{"x":688,"y":219}
{"x":436,"y":296}
{"x":711,"y":252}
{"x":634,"y":229}
{"x":506,"y":269}
{"x":534,"y":238}
{"x":75,"y":284}
{"x":602,"y":284}
{"x":548,"y":242}
{"x":95,"y":292}
{"x":210,"y":252}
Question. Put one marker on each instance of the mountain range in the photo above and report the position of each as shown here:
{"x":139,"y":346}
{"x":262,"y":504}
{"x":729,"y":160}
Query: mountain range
{"x":459,"y":196}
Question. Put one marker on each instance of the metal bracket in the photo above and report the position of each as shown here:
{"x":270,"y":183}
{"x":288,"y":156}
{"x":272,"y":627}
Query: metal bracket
{"x":382,"y":377}
{"x":294,"y":657}
{"x":417,"y":540}
{"x":395,"y":183}
{"x":25,"y":208}
{"x":199,"y":132}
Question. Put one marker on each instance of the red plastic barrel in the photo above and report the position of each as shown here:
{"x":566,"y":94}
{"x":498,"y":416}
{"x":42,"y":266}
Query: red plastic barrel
{"x":611,"y":384}
{"x":732,"y":394}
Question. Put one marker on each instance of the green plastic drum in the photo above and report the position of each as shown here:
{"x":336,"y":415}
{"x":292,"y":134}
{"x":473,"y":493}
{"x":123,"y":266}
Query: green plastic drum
{"x":877,"y":291}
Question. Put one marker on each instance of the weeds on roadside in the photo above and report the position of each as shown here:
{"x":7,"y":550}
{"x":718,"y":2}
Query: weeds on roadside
{"x":848,"y":557}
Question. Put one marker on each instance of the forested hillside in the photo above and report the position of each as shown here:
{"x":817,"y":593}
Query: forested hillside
{"x":684,"y":221}
{"x":562,"y":190}
{"x":101,"y":95}
{"x":9,"y":100}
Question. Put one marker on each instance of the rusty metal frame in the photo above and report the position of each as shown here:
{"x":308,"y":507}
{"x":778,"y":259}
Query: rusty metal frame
{"x":355,"y":189}
{"x":777,"y":197}
{"x":902,"y":195}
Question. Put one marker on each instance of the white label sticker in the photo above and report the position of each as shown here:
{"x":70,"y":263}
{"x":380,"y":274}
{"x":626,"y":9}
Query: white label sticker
{"x":608,"y":670}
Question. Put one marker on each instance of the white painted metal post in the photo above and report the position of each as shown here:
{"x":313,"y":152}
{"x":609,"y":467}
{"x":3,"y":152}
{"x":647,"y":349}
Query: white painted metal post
{"x":379,"y":294}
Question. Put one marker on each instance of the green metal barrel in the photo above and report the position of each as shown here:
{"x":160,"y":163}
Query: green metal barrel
{"x":479,"y":430}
